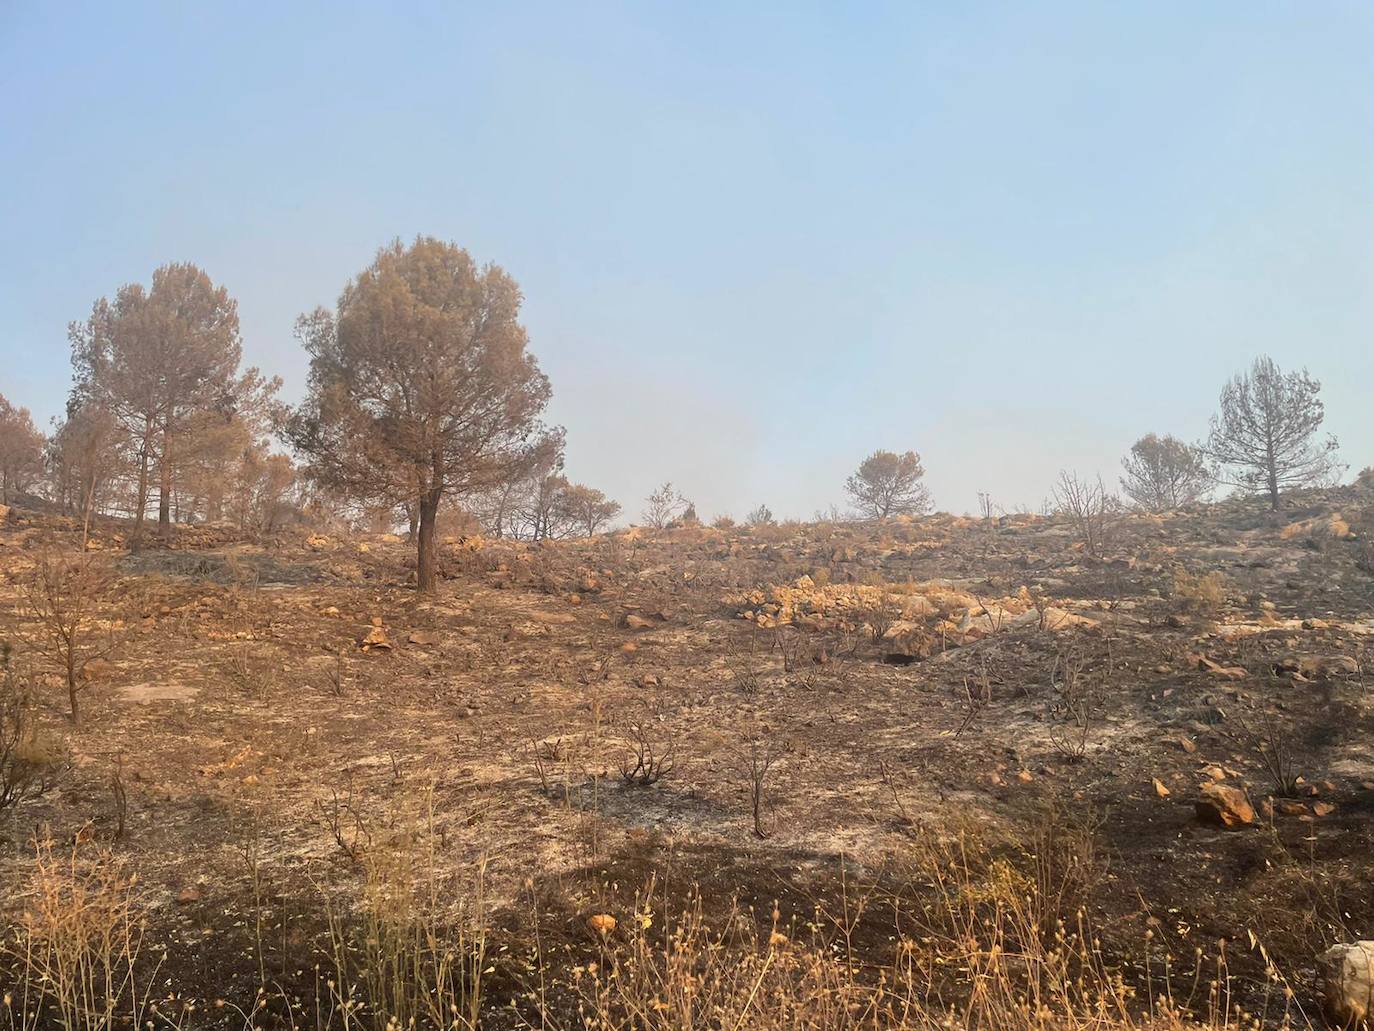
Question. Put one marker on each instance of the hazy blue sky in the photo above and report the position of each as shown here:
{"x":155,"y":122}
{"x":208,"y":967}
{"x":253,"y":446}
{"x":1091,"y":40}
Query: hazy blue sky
{"x":757,"y":240}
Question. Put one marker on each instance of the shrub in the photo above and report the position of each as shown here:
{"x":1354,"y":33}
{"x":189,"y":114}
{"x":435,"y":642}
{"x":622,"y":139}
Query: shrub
{"x":1204,"y":594}
{"x":25,"y":756}
{"x":64,"y":593}
{"x":80,"y":944}
{"x":1093,"y":511}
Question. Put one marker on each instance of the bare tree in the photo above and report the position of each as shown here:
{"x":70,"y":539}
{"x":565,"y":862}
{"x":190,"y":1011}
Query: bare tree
{"x":664,"y":506}
{"x":758,"y":755}
{"x":761,"y":516}
{"x":21,"y":759}
{"x":421,"y":387}
{"x":64,"y":594}
{"x":1266,"y":432}
{"x":1089,"y":507}
{"x":21,"y":450}
{"x":1164,"y":473}
{"x":888,"y":484}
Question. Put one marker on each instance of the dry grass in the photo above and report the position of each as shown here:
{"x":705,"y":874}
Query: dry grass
{"x":987,"y":939}
{"x":984,"y":935}
{"x":79,"y":946}
{"x":1203,"y":594}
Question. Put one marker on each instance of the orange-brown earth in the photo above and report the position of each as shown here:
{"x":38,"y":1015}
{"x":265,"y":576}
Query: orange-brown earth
{"x":275,"y":711}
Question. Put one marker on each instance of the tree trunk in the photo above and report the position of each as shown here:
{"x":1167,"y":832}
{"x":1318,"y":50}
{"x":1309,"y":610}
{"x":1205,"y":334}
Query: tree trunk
{"x":87,"y":508}
{"x":164,"y":498}
{"x":71,"y":684}
{"x":426,"y":564}
{"x":413,"y":518}
{"x":141,"y":503}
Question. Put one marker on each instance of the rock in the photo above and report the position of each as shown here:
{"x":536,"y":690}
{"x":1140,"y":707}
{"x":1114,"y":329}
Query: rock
{"x":1323,"y":808}
{"x":188,"y":895}
{"x":1324,"y":667}
{"x":1225,"y":805}
{"x":1160,"y":789}
{"x":423,"y":637}
{"x":1347,"y":975}
{"x":1216,"y":669}
{"x":97,"y":669}
{"x":635,"y":622}
{"x":375,"y":641}
{"x":601,"y":923}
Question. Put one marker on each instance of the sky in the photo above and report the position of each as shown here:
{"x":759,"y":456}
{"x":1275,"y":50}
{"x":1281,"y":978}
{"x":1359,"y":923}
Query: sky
{"x":757,"y":241}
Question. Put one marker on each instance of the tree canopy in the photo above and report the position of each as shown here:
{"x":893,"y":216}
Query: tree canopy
{"x":421,"y":386}
{"x":1265,"y":433}
{"x":888,"y":484}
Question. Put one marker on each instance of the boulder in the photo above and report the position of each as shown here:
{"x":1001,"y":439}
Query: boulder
{"x":375,"y":641}
{"x":1347,"y":975}
{"x":1318,"y":667}
{"x":601,"y":924}
{"x":1225,"y":805}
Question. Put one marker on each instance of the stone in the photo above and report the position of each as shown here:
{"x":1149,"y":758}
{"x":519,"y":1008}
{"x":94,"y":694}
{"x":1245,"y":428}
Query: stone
{"x":1225,"y":805}
{"x":375,"y":641}
{"x":635,"y":622}
{"x":1160,"y":789}
{"x":1218,"y":670}
{"x":1347,"y":976}
{"x":97,"y":669}
{"x":1318,"y":667}
{"x":601,"y":923}
{"x":427,"y":638}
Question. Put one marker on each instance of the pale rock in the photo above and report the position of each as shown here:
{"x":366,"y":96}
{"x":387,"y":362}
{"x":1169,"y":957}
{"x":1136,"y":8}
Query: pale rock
{"x":1347,"y":975}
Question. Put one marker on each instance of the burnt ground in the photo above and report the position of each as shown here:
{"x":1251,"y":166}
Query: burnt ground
{"x":275,"y":711}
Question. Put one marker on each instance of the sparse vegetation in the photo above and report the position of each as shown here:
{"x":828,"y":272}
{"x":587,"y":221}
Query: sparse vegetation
{"x":663,"y":507}
{"x":64,"y":593}
{"x":883,"y":670}
{"x":345,"y":702}
{"x":1093,"y":511}
{"x":26,"y":758}
{"x":1200,"y":593}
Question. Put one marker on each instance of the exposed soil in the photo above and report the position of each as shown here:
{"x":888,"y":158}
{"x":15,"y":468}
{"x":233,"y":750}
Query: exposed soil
{"x":263,"y":696}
